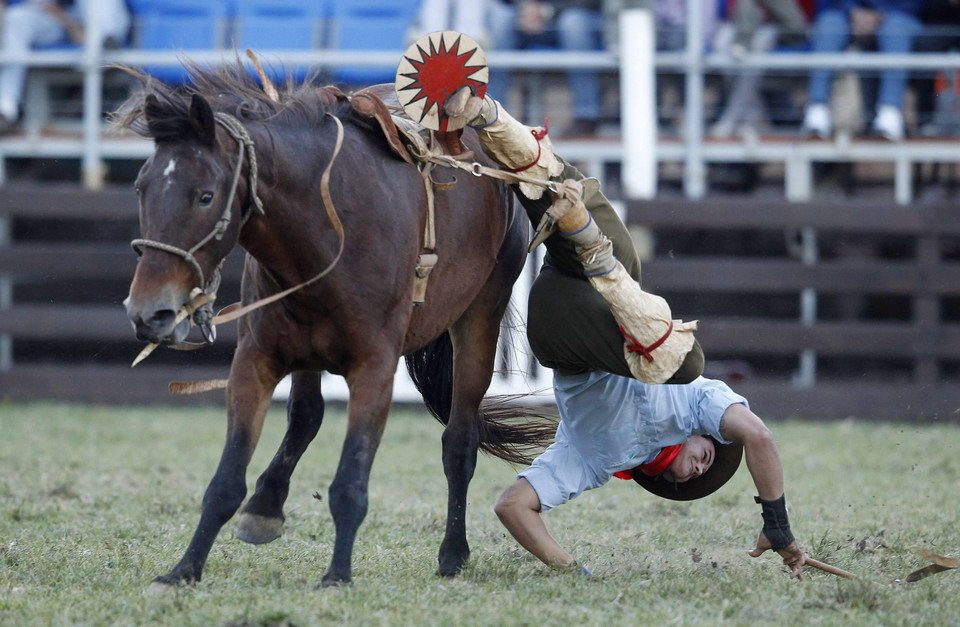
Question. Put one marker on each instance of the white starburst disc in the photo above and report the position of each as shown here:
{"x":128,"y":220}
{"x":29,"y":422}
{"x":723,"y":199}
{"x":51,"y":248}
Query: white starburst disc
{"x":432,"y":69}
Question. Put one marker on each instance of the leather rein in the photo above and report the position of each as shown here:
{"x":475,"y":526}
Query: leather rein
{"x":201,"y":298}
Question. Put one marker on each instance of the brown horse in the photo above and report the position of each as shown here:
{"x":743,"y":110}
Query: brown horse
{"x":233,"y":166}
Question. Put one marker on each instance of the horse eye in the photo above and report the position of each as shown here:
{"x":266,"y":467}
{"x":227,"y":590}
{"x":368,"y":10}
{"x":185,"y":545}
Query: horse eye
{"x":206,"y":198}
{"x":136,"y":188}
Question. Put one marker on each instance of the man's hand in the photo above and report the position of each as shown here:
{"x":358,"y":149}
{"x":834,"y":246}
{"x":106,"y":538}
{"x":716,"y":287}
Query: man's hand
{"x":568,"y":195}
{"x":464,"y":108}
{"x":791,"y":554}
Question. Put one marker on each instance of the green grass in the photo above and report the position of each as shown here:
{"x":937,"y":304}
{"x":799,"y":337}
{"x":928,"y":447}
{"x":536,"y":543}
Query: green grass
{"x":96,"y":501}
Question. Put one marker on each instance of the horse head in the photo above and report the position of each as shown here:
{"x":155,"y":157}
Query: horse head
{"x":190,"y":213}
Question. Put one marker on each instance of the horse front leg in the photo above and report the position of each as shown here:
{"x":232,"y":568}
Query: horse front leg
{"x":248,"y":398}
{"x":261,"y":519}
{"x":474,"y":354}
{"x":371,"y":391}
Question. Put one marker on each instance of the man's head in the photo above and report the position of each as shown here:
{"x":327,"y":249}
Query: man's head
{"x":700,"y":468}
{"x":695,"y":458}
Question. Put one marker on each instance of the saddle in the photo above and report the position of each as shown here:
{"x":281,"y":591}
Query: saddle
{"x":407,"y":139}
{"x":412,"y":143}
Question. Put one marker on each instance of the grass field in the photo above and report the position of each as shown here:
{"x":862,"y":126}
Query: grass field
{"x":96,"y":501}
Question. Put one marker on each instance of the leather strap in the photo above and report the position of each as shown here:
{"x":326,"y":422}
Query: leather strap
{"x":337,"y":226}
{"x":634,"y":346}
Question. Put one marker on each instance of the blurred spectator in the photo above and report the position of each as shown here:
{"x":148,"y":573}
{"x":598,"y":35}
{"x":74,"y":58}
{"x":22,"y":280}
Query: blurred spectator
{"x":470,"y":17}
{"x":611,"y":13}
{"x":671,"y":19}
{"x":938,"y":93}
{"x":893,"y":24}
{"x":753,"y":26}
{"x":671,"y":16}
{"x":42,"y":23}
{"x":565,"y":24}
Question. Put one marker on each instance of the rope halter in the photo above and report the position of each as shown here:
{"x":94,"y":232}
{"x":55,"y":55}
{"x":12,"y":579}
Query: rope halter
{"x":245,"y":144}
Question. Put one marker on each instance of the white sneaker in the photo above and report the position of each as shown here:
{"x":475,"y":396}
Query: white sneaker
{"x":889,"y":123}
{"x":816,"y":121}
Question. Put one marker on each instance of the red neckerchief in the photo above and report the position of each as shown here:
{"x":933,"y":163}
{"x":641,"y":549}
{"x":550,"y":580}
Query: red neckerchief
{"x":660,"y":463}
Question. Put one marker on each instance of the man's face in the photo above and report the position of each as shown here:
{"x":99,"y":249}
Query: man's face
{"x":695,"y":457}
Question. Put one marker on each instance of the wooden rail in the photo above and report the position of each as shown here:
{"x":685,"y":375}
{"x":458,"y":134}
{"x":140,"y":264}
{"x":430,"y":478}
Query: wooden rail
{"x":65,"y":335}
{"x":894,"y":366}
{"x":68,"y":337}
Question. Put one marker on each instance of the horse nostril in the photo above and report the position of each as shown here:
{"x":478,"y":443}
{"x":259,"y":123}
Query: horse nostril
{"x":155,"y":327}
{"x":161,"y":322}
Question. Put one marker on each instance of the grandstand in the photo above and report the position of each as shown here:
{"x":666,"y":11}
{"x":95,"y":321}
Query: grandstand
{"x":356,"y":42}
{"x":65,"y":137}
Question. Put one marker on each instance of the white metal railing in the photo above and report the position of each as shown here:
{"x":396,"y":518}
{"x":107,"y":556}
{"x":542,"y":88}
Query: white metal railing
{"x":92,"y":59}
{"x":694,"y":63}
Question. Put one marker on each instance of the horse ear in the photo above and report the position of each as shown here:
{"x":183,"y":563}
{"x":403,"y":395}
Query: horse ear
{"x":152,"y":110}
{"x":202,"y":120}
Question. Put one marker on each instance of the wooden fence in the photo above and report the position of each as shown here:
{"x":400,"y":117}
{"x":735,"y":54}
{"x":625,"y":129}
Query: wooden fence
{"x":883,"y":330}
{"x":66,"y":265}
{"x":820,"y":310}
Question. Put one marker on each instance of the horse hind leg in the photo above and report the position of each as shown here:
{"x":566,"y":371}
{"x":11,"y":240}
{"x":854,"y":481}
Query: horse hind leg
{"x":261,"y":519}
{"x":474,"y":337}
{"x":371,"y":390}
{"x":474,"y":344}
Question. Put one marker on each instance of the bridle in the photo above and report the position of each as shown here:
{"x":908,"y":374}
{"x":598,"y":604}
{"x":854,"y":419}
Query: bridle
{"x":208,"y":288}
{"x":199,"y":308}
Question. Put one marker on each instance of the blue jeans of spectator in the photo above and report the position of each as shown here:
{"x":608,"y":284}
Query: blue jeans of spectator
{"x":831,"y":33}
{"x":573,"y":29}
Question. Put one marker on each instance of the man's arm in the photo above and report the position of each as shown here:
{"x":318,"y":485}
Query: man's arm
{"x":519,"y":510}
{"x":741,"y":425}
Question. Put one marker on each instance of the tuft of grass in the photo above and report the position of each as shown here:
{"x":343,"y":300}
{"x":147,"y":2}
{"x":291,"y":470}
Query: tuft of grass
{"x":96,"y":501}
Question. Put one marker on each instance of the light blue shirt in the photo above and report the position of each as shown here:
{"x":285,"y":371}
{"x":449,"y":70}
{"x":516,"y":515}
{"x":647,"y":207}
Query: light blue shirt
{"x":611,"y":423}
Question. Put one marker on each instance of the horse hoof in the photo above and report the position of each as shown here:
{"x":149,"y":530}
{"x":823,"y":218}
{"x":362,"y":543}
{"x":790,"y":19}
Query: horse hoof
{"x":451,"y":563}
{"x":449,"y":573}
{"x":257,"y":529}
{"x":330,"y":581}
{"x":165,"y":585}
{"x":170,"y":583}
{"x":161,"y":588}
{"x":451,"y":568}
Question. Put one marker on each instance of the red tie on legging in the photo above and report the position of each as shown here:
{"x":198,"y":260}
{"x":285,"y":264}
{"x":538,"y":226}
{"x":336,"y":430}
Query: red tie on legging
{"x":538,"y":135}
{"x":660,"y":463}
{"x":635,"y":346}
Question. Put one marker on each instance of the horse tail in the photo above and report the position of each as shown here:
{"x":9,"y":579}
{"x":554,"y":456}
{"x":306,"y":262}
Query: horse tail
{"x":509,"y":430}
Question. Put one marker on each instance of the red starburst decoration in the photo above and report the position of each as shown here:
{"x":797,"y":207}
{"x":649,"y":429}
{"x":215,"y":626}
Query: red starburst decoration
{"x":435,"y":67}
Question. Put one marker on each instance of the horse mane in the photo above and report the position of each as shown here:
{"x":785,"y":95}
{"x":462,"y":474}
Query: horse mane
{"x":230,"y":89}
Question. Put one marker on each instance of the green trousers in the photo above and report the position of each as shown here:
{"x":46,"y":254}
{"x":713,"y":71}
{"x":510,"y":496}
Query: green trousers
{"x":569,"y":325}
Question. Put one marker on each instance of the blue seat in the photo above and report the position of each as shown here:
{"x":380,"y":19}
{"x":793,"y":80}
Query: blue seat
{"x":279,"y":25}
{"x":410,"y":8}
{"x":179,"y":26}
{"x":370,"y":25}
